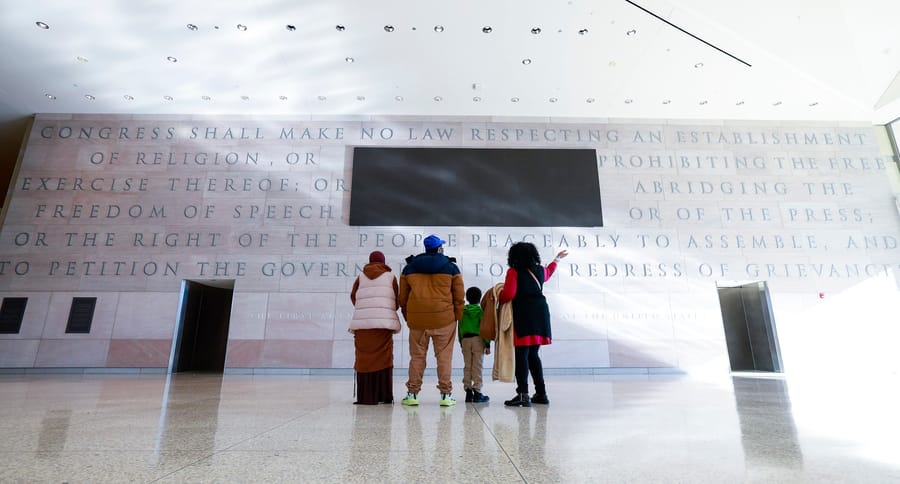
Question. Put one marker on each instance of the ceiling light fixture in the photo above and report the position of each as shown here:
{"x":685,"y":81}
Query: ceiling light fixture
{"x":590,"y":100}
{"x":776,"y":103}
{"x":629,"y":101}
{"x":487,"y":29}
{"x":667,"y":101}
{"x":206,"y":98}
{"x":814,"y":103}
{"x":526,"y":61}
{"x":81,"y":58}
{"x":739,"y":103}
{"x":388,"y":28}
{"x":42,"y":25}
{"x":438,"y":28}
{"x":192,"y":27}
{"x":360,"y":98}
{"x":128,"y":97}
{"x":553,"y":99}
{"x":290,"y":27}
{"x":703,"y":103}
{"x":340,"y":28}
{"x":322,"y":98}
{"x":245,"y":98}
{"x":476,"y":99}
{"x":698,"y":65}
{"x":514,"y":99}
{"x":242,"y":27}
{"x":349,"y":60}
{"x":168,"y":98}
{"x":582,"y":31}
{"x":398,"y":98}
{"x":283,"y":98}
{"x":438,"y":99}
{"x":89,"y":97}
{"x":50,"y":97}
{"x":631,"y":32}
{"x":536,"y":30}
{"x":171,"y":59}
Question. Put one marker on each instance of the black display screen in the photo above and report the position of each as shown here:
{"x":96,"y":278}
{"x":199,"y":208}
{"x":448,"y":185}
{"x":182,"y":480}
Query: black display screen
{"x":475,"y":187}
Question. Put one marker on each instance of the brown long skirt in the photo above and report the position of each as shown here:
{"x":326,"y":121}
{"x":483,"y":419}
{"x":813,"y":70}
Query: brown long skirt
{"x":374,"y":366}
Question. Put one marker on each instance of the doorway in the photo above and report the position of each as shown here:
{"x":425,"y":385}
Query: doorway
{"x":201,"y":332}
{"x":750,"y":328}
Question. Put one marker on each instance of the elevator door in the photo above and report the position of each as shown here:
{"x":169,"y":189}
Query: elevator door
{"x":202,"y":331}
{"x":750,"y":328}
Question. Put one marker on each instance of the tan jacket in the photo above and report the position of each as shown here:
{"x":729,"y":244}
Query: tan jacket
{"x":504,"y":348}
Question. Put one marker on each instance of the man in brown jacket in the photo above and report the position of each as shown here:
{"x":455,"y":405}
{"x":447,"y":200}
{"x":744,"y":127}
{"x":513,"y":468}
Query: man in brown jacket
{"x":432,"y":298}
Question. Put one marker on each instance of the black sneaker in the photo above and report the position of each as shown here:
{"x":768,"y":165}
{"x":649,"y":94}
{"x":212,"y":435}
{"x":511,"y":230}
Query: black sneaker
{"x":520,"y":400}
{"x":468,"y":396}
{"x":478,"y":397}
{"x":540,"y":398}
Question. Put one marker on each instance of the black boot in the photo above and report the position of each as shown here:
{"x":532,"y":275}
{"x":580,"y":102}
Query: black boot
{"x":468,"y":396}
{"x":478,"y":397}
{"x":540,"y":398}
{"x":520,"y":400}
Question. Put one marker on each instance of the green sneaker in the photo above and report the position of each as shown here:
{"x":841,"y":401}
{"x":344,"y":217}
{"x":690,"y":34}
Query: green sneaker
{"x":411,"y":399}
{"x":447,"y":400}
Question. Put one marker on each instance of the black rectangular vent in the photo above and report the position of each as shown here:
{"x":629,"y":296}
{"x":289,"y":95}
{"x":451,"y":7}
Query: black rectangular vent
{"x":11,"y":314}
{"x":81,"y":315}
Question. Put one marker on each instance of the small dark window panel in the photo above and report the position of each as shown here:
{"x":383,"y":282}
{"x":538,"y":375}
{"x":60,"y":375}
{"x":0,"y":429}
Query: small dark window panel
{"x":475,"y":187}
{"x":81,"y":315}
{"x":11,"y":314}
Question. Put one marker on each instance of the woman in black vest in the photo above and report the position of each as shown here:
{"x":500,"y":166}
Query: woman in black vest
{"x":524,"y":286}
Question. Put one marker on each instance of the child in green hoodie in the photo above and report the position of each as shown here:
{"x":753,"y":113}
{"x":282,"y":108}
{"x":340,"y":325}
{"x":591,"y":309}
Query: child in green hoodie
{"x":474,"y":347}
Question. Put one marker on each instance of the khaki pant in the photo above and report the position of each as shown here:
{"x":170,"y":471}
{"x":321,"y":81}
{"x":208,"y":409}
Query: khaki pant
{"x":473,"y":357}
{"x":443,"y":339}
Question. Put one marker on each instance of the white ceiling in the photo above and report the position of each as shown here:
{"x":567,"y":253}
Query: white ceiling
{"x":808,"y":59}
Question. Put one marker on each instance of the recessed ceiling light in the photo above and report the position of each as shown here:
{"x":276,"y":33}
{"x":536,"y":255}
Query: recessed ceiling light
{"x":629,"y":101}
{"x":582,"y":31}
{"x":739,"y":103}
{"x":360,"y":98}
{"x":89,"y":97}
{"x":340,"y":28}
{"x":612,"y":64}
{"x":50,"y":97}
{"x":631,"y":32}
{"x":128,"y":97}
{"x":245,"y":98}
{"x":206,"y":98}
{"x":42,"y":25}
{"x":349,"y":60}
{"x":168,"y":98}
{"x":476,"y":99}
{"x":283,"y":98}
{"x":322,"y":98}
{"x":290,"y":27}
{"x":590,"y":100}
{"x":553,"y":99}
{"x":487,"y":29}
{"x":526,"y":61}
{"x":82,"y":58}
{"x":439,"y":28}
{"x":242,"y":27}
{"x":514,"y":99}
{"x":398,"y":98}
{"x":536,"y":30}
{"x":191,"y":27}
{"x":438,"y":98}
{"x":388,"y":28}
{"x":703,"y":102}
{"x":776,"y":103}
{"x":814,"y":103}
{"x":698,"y":65}
{"x":171,"y":59}
{"x":667,"y":101}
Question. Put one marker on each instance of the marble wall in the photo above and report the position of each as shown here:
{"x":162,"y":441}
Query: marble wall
{"x":123,"y":208}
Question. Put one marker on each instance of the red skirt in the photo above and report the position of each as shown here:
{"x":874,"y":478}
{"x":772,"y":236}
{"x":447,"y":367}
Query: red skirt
{"x":374,"y":366}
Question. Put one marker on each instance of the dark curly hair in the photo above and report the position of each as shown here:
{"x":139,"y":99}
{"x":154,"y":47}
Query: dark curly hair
{"x":523,"y":255}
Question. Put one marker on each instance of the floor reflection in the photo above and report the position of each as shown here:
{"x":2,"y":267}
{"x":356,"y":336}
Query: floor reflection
{"x":189,"y":413}
{"x":768,"y":431}
{"x":532,"y":440}
{"x":54,"y":429}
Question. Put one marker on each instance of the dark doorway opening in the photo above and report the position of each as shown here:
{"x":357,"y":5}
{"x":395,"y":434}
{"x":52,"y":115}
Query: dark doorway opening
{"x":750,"y":328}
{"x":201,"y":333}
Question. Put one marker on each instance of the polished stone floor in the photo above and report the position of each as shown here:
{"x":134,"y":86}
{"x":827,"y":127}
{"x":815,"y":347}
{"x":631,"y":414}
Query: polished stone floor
{"x":302,"y":428}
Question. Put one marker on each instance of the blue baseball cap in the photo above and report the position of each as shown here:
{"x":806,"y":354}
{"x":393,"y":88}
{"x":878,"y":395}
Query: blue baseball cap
{"x":433,"y":242}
